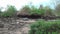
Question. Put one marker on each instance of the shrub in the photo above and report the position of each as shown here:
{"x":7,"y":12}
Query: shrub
{"x":45,"y":27}
{"x":0,"y":11}
{"x":57,"y":10}
{"x":45,"y":11}
{"x":48,"y":11}
{"x":36,"y":11}
{"x":32,"y":10}
{"x":11,"y":10}
{"x":25,"y":10}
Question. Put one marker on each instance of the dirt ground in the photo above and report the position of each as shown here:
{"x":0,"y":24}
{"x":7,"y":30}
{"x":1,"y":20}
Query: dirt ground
{"x":15,"y":26}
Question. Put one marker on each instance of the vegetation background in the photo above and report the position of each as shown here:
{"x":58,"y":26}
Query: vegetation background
{"x":41,"y":26}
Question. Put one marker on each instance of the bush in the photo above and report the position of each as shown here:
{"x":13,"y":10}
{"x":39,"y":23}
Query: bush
{"x":32,"y":10}
{"x":45,"y":11}
{"x":25,"y":10}
{"x":45,"y":27}
{"x":36,"y":11}
{"x":11,"y":10}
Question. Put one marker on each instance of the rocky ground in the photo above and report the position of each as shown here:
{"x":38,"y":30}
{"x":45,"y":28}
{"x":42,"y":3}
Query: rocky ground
{"x":15,"y":26}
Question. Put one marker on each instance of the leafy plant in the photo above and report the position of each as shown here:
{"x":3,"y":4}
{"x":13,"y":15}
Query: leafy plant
{"x":45,"y":27}
{"x":36,"y":11}
{"x":11,"y":10}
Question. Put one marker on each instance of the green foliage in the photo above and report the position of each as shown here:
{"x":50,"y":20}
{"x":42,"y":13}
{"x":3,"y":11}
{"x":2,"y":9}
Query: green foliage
{"x":0,"y":11}
{"x":42,"y":26}
{"x":32,"y":10}
{"x":57,"y":10}
{"x":37,"y":11}
{"x":48,"y":11}
{"x":42,"y":11}
{"x":26,"y":9}
{"x":11,"y":10}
